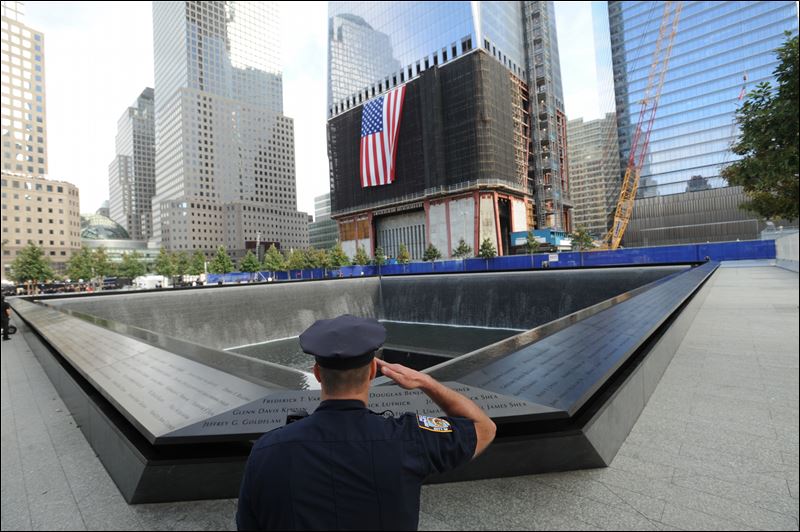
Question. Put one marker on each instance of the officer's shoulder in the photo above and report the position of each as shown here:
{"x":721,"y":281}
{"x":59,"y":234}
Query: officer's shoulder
{"x":286,"y":433}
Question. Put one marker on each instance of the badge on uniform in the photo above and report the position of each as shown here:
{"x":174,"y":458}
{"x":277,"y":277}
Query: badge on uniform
{"x":434,"y":424}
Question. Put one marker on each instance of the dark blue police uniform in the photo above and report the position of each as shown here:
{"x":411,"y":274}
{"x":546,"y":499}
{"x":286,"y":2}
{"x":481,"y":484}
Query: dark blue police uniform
{"x":346,"y":467}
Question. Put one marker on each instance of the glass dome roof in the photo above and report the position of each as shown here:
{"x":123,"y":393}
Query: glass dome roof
{"x":99,"y":227}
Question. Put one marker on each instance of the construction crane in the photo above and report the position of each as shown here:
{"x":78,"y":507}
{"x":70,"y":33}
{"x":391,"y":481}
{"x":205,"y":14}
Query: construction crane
{"x":647,"y":114}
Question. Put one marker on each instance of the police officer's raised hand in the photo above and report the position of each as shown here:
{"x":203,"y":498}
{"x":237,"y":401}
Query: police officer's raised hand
{"x":407,"y":378}
{"x":452,"y":402}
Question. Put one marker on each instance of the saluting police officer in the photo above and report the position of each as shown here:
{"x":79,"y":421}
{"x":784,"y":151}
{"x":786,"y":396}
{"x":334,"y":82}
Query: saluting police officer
{"x":344,"y":466}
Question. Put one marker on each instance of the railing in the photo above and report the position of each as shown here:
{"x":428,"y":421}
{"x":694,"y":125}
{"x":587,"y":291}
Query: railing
{"x":680,"y":254}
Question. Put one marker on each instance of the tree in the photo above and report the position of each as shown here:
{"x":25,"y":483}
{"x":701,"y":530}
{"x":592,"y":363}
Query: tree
{"x":180,"y":262}
{"x":31,"y":264}
{"x":250,"y":263}
{"x":163,"y":264}
{"x":221,"y":263}
{"x":103,"y":267}
{"x":581,"y":239}
{"x":317,"y":258}
{"x":338,"y":257}
{"x":274,"y":260}
{"x":531,"y":243}
{"x":380,"y":257}
{"x":361,"y":258}
{"x":463,"y":250}
{"x":132,"y":266}
{"x":487,"y":250}
{"x":296,"y":259}
{"x":403,"y":256}
{"x":81,"y":265}
{"x":197,"y":266}
{"x":431,"y":253}
{"x":768,"y":142}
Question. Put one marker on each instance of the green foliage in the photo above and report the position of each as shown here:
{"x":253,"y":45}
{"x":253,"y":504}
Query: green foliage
{"x":274,"y":260}
{"x":531,"y":243}
{"x":221,"y":263}
{"x":31,"y":264}
{"x":103,"y":267}
{"x":180,"y":263}
{"x":338,"y":257}
{"x":197,"y":266}
{"x":296,"y":259}
{"x":431,"y":253}
{"x":361,"y":258}
{"x":132,"y":265}
{"x":581,"y":239}
{"x":487,"y":250}
{"x":769,"y":142}
{"x":380,"y":257}
{"x":163,"y":264}
{"x":463,"y":250}
{"x":403,"y":256}
{"x":316,"y":258}
{"x":250,"y":263}
{"x":81,"y":265}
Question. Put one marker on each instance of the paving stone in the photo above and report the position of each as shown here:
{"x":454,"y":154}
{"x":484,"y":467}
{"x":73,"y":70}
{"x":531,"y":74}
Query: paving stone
{"x":687,"y":519}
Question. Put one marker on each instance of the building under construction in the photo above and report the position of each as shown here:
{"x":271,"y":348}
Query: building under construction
{"x":462,"y":164}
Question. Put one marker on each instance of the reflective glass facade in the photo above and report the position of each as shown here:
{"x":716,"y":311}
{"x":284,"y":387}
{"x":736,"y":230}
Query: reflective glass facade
{"x":717,"y":44}
{"x":374,"y":46}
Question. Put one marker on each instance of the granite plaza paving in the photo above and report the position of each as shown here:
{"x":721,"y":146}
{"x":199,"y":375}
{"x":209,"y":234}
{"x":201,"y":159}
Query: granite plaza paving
{"x":715,"y":448}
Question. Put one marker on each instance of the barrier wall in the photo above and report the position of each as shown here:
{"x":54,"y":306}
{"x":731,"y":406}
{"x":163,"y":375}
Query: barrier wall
{"x":786,"y":252}
{"x":680,"y":254}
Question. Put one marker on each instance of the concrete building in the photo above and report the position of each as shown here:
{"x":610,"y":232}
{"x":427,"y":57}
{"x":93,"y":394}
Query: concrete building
{"x":225,"y":172}
{"x":323,"y":231}
{"x":594,"y":172}
{"x":34,"y":208}
{"x":721,"y":50}
{"x":41,"y":211}
{"x":520,"y":37}
{"x":132,"y":173}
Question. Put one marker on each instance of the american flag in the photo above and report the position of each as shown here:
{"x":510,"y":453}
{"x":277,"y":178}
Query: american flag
{"x":380,"y":124}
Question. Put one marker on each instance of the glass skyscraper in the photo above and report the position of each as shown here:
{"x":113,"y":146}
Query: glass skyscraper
{"x":225,"y":173}
{"x":375,"y":46}
{"x":720,"y":49}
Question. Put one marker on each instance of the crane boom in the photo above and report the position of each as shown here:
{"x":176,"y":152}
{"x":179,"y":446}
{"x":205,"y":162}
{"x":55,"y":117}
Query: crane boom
{"x":644,"y":125}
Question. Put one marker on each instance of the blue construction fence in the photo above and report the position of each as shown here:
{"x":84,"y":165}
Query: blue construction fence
{"x":679,"y":254}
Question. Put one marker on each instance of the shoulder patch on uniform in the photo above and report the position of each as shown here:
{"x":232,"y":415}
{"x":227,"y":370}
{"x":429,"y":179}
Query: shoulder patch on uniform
{"x":434,"y":424}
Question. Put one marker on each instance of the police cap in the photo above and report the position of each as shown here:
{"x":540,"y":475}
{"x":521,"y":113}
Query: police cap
{"x":345,"y":342}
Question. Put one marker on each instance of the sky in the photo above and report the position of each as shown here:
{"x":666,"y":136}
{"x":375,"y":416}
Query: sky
{"x":99,"y":58}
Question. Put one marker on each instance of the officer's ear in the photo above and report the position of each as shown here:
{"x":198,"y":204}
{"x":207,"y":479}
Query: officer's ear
{"x":316,"y":372}
{"x":373,"y":369}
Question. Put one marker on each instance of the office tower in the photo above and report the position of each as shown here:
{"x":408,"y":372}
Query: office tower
{"x":377,"y":47}
{"x":132,"y":173}
{"x":548,"y":155}
{"x":721,"y":50}
{"x":594,"y":172}
{"x":225,"y":172}
{"x":34,"y":209}
{"x":323,"y":233}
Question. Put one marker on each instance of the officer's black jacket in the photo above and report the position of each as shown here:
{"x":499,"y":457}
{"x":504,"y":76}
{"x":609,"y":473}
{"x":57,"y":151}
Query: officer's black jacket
{"x":345,"y":467}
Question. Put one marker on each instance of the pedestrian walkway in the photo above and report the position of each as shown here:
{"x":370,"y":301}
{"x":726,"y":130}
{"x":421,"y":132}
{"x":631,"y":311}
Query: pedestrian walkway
{"x":715,"y":448}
